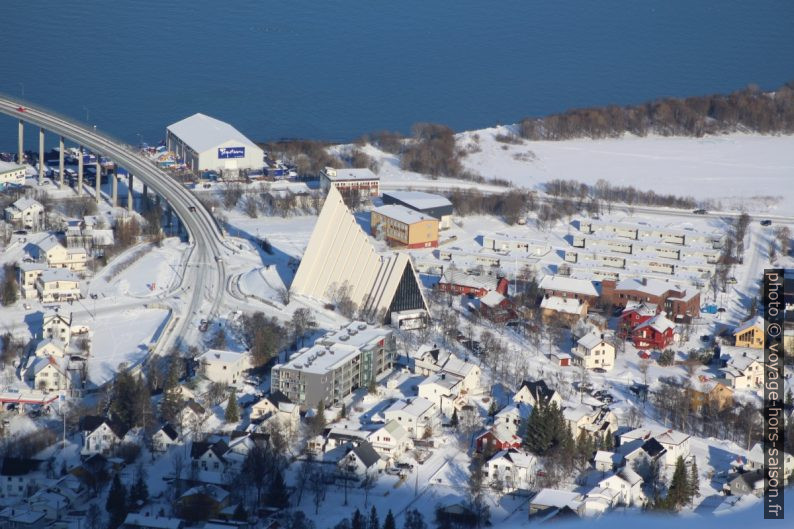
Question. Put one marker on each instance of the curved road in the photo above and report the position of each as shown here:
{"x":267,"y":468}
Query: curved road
{"x":205,"y":274}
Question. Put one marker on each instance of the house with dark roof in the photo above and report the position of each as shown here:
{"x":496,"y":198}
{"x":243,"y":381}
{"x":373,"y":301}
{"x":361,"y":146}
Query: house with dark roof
{"x":164,"y":437}
{"x":362,"y":460}
{"x":19,"y":476}
{"x":208,"y":456}
{"x":276,"y":407}
{"x":101,"y":435}
{"x":190,"y":418}
{"x":746,"y":483}
{"x":537,"y":392}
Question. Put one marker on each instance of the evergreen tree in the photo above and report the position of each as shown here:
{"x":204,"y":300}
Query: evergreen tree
{"x":9,"y":292}
{"x":535,"y":434}
{"x":277,"y":493}
{"x":358,"y":521}
{"x":678,"y":493}
{"x":492,"y":410}
{"x":389,"y":522}
{"x":609,"y":441}
{"x":139,"y":492}
{"x":454,"y":421}
{"x":374,"y":522}
{"x":414,"y":520}
{"x":343,"y":413}
{"x":116,"y":504}
{"x":232,"y":413}
{"x":694,"y":481}
{"x":172,"y":399}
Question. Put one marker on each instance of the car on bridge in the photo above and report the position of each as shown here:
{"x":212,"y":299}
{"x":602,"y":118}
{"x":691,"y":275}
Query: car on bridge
{"x":21,"y":109}
{"x":700,"y":212}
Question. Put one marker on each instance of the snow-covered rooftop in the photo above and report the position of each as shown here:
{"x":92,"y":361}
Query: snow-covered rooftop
{"x":591,"y":339}
{"x":221,"y":356}
{"x":569,"y":284}
{"x":58,"y":274}
{"x":758,"y":321}
{"x":202,"y":132}
{"x":402,"y":214}
{"x":659,"y":323}
{"x":558,"y":304}
{"x":419,"y":199}
{"x":416,"y":406}
{"x":349,"y":174}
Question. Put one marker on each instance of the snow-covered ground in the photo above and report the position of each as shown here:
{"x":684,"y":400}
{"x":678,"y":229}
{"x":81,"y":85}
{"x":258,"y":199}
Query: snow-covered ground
{"x":734,"y":171}
{"x":122,"y":337}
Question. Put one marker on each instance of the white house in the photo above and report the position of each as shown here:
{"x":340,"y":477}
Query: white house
{"x":55,"y":285}
{"x":57,"y":326}
{"x":49,"y":347}
{"x":362,"y":460}
{"x":391,"y":440}
{"x":225,"y":367}
{"x":468,"y":373}
{"x":59,"y":256}
{"x":511,"y":469}
{"x":415,"y":415}
{"x":512,"y":417}
{"x":49,"y":373}
{"x":190,"y":418}
{"x":591,"y":419}
{"x":208,"y":456}
{"x":426,"y":360}
{"x":606,"y":461}
{"x":28,"y":275}
{"x":25,"y":213}
{"x":744,"y":369}
{"x":593,"y":350}
{"x":19,"y":476}
{"x":532,"y":392}
{"x":163,"y":438}
{"x":276,"y":407}
{"x":100,"y":436}
{"x":441,"y":389}
{"x":627,"y":484}
{"x":674,"y":442}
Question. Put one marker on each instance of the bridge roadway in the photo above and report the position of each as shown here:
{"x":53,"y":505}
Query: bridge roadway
{"x":204,"y":273}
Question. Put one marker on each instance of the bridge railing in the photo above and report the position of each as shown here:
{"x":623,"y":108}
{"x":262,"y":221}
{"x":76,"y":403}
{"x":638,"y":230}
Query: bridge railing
{"x":21,"y":102}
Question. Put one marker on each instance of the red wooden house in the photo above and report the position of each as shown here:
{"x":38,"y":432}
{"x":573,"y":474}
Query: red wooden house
{"x":635,"y":313}
{"x":497,"y":308}
{"x":656,"y":333}
{"x":496,"y":439}
{"x":459,"y":282}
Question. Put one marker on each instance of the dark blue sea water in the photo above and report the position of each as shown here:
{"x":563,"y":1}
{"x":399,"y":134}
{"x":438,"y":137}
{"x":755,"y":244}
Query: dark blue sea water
{"x":338,"y":68}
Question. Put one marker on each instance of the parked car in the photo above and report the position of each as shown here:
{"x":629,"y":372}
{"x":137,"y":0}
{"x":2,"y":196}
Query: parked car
{"x":204,"y":325}
{"x":700,"y":212}
{"x":766,"y":222}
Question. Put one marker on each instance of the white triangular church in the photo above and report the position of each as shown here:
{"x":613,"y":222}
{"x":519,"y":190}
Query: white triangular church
{"x":383,"y":287}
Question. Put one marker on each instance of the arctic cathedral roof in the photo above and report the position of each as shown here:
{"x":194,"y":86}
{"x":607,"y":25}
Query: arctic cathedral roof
{"x":339,"y":253}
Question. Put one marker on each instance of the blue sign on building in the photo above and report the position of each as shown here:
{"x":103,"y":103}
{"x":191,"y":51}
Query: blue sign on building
{"x":231,"y":152}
